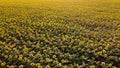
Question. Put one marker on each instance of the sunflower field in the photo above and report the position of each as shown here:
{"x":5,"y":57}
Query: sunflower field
{"x":59,"y":33}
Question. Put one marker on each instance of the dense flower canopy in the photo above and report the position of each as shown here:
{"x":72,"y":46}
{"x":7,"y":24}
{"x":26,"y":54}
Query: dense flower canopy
{"x":59,"y":33}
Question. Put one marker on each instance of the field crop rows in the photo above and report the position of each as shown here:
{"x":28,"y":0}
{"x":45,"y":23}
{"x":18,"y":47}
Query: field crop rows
{"x":59,"y":33}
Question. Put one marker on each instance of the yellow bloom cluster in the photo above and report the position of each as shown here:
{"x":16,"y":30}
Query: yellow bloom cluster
{"x":59,"y":33}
